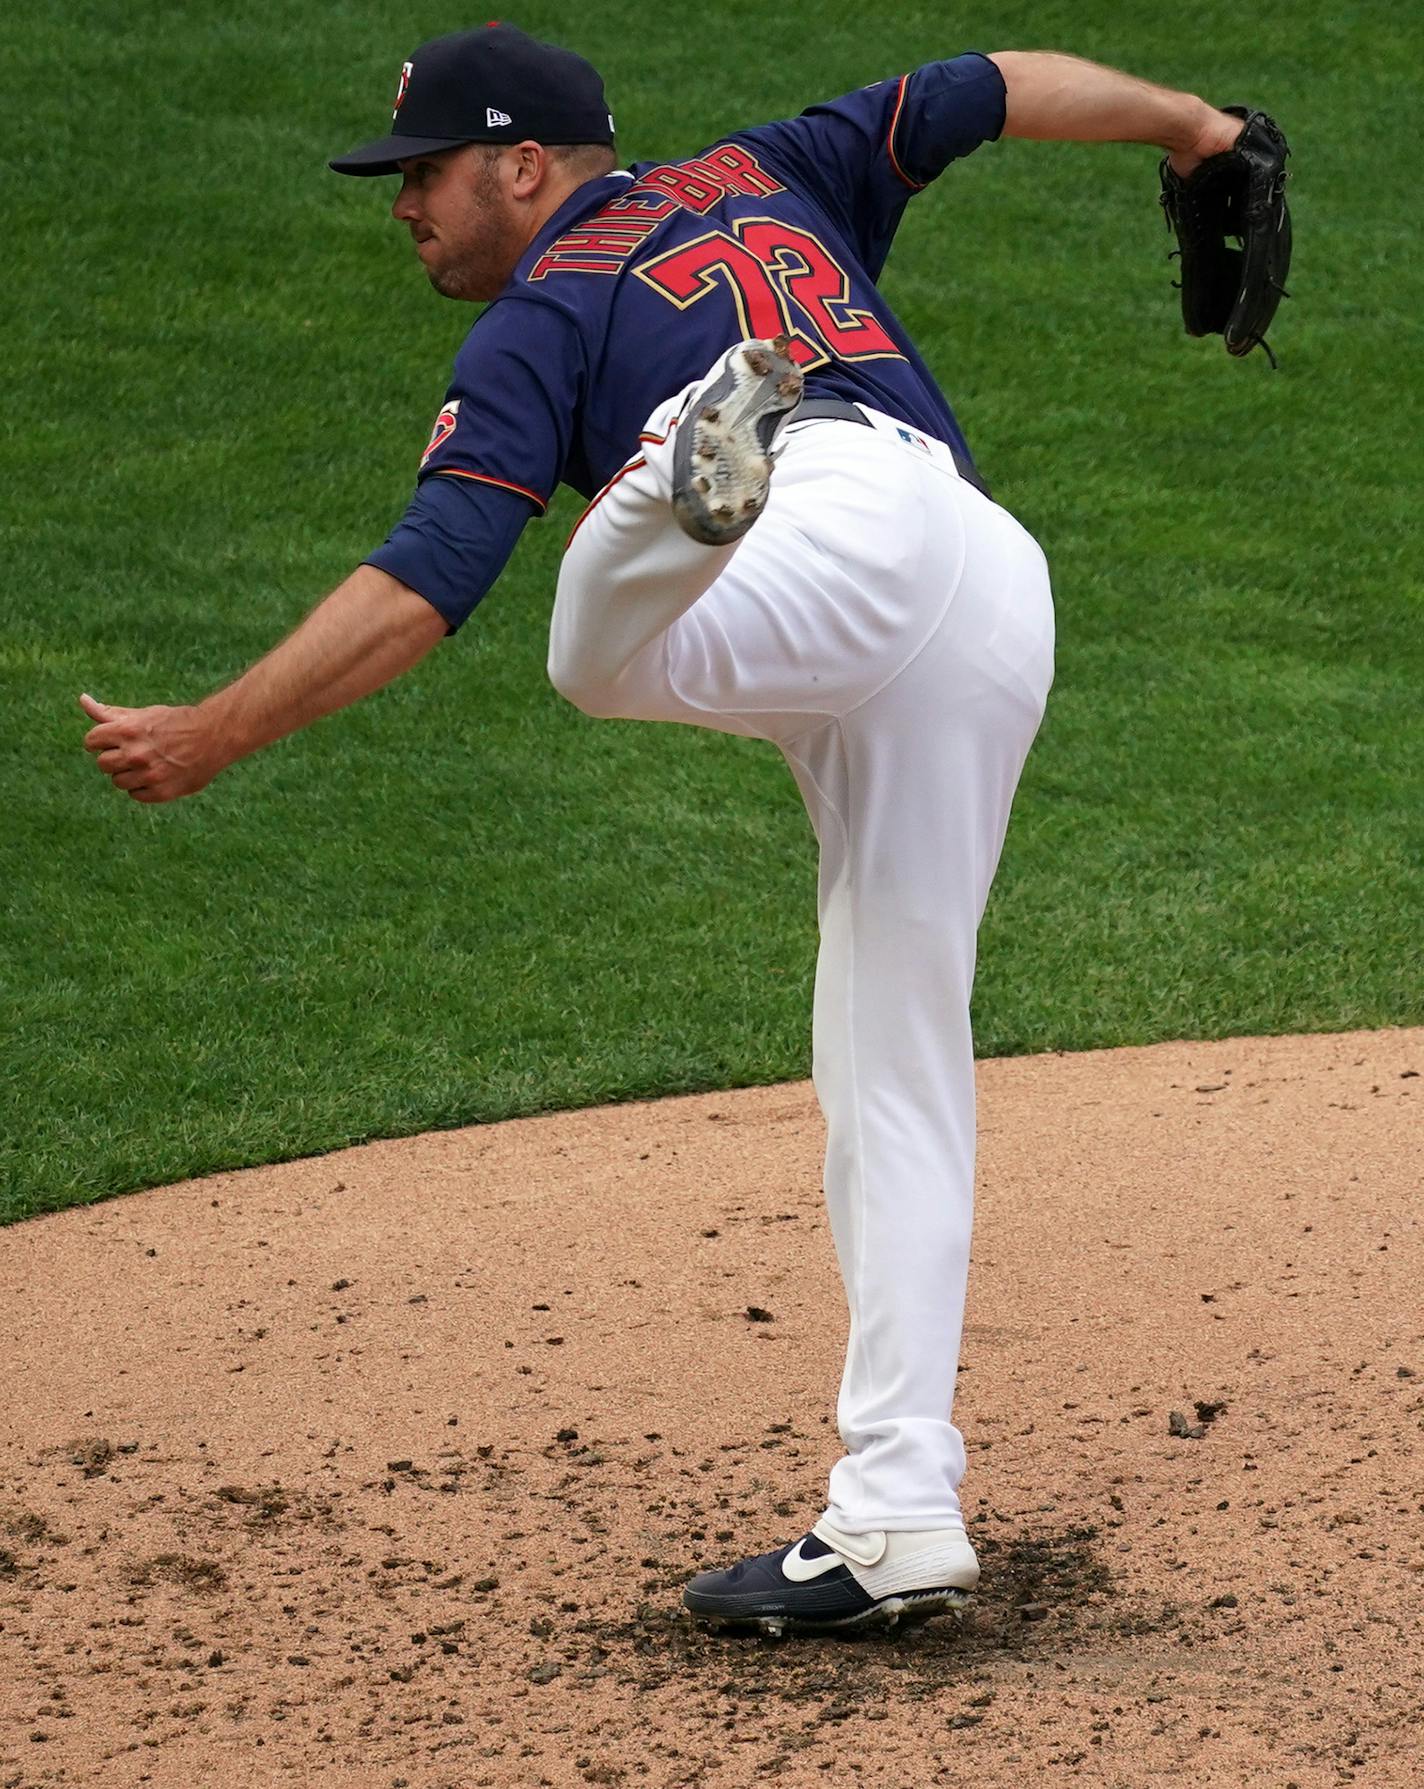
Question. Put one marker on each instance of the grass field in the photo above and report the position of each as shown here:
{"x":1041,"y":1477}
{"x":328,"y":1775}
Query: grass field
{"x":462,"y":900}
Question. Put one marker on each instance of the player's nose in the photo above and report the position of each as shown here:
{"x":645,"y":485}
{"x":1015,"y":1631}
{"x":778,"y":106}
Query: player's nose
{"x":404,"y":209}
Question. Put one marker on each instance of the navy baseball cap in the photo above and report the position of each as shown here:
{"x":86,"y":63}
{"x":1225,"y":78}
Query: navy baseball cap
{"x":494,"y":85}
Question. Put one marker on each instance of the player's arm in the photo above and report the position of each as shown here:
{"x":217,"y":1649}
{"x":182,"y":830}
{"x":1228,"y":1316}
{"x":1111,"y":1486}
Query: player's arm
{"x":369,"y":630}
{"x":1060,"y":98}
{"x":491,"y":463}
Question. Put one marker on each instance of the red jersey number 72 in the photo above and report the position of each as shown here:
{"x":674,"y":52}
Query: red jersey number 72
{"x":783,"y":281}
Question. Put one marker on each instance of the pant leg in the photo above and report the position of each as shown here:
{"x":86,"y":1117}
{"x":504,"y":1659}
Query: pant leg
{"x":628,"y":574}
{"x":891,"y":629}
{"x":910,"y":796}
{"x":814,"y":608}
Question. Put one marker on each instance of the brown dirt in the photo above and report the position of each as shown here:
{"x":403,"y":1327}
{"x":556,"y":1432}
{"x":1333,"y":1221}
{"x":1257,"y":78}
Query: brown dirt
{"x":386,"y":1469}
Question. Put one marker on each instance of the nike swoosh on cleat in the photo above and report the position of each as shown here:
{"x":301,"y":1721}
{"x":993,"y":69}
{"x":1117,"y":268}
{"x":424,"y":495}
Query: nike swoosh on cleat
{"x":802,"y":1571}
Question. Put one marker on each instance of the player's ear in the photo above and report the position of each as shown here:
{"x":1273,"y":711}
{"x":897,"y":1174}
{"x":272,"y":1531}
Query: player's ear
{"x":530,"y":166}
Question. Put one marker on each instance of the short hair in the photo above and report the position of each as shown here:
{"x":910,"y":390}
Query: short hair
{"x":586,"y":159}
{"x":583,"y":161}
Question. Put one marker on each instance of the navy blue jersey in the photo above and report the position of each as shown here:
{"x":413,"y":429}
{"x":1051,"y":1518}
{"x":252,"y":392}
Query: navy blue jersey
{"x":643,"y":277}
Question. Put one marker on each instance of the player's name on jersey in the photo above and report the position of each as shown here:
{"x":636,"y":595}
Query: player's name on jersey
{"x":604,"y":242}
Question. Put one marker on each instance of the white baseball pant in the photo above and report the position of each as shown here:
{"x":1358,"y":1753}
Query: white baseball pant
{"x":890,"y":629}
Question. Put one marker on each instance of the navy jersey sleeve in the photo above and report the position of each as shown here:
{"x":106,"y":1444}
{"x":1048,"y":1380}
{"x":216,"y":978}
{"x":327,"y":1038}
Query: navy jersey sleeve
{"x":453,"y":542}
{"x":499,"y":447}
{"x":865,"y":155}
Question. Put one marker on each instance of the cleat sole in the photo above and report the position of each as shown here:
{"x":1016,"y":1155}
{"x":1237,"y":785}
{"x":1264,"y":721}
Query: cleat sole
{"x":906,"y":1611}
{"x":721,"y":458}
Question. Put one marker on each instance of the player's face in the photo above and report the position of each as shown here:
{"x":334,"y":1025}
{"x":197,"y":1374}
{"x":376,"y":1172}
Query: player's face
{"x":465,"y":227}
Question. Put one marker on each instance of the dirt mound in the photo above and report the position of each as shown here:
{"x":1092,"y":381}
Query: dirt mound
{"x":386,"y":1469}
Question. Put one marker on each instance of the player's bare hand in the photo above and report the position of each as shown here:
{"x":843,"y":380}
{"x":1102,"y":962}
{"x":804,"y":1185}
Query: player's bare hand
{"x":152,"y":754}
{"x":1219,"y":130}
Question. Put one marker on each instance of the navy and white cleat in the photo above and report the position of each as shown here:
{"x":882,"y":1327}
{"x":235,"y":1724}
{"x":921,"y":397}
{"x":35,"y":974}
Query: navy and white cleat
{"x":722,"y":458}
{"x":832,"y":1582}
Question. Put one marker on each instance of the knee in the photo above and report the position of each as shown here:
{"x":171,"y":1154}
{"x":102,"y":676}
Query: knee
{"x":575,"y":684}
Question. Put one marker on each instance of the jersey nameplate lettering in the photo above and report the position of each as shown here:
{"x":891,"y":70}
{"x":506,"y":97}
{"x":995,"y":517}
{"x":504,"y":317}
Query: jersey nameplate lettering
{"x":607,"y":240}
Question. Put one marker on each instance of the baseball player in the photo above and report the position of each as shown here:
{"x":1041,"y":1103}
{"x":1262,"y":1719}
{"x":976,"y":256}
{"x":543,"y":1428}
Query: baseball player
{"x":786,"y":537}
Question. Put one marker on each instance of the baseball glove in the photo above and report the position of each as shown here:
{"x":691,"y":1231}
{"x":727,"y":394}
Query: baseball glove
{"x":1240,"y":194}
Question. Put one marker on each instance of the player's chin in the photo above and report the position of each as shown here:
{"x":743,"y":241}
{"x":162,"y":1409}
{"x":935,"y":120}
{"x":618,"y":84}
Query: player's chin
{"x":445,"y":282}
{"x":461,"y":281}
{"x":463,"y":290}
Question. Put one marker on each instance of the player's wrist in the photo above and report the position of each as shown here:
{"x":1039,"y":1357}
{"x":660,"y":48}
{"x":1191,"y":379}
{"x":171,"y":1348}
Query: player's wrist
{"x":1189,"y":117}
{"x":1205,"y":131}
{"x":213,"y":732}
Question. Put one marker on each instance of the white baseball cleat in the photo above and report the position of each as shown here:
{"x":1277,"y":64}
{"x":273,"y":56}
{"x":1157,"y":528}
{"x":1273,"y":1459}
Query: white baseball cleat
{"x":722,"y":458}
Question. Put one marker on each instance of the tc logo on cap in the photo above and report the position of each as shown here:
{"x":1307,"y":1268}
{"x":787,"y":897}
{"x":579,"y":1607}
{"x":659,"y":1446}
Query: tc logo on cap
{"x":406,"y":67}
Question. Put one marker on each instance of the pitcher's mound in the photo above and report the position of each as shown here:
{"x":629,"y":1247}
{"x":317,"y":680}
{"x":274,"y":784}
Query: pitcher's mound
{"x":387,"y":1468}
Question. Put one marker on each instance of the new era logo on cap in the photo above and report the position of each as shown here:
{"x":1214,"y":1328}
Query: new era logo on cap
{"x":493,"y":118}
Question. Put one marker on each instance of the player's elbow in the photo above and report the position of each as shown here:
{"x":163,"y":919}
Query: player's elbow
{"x":1043,"y":89}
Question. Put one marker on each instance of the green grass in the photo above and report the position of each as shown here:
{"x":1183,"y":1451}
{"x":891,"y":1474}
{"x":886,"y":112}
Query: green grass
{"x":462,"y":900}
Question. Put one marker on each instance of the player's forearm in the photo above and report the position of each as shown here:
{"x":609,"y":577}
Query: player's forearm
{"x":367,"y":632}
{"x":1062,"y":98}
